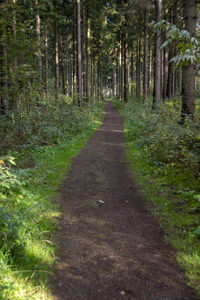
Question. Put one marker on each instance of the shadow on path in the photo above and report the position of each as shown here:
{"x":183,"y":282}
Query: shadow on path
{"x":110,"y":247}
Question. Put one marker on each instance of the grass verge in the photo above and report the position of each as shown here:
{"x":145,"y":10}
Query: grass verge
{"x":27,"y":211}
{"x":164,"y":158}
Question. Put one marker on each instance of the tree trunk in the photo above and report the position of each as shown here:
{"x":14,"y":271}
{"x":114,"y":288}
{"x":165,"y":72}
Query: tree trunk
{"x":157,"y":73}
{"x":88,"y":61}
{"x":169,"y":91}
{"x":70,"y":75}
{"x":3,"y":68}
{"x":188,"y":75}
{"x":46,"y":61}
{"x":178,"y":80}
{"x":170,"y":79}
{"x":165,"y":71}
{"x":99,"y":79}
{"x":126,"y":66}
{"x":79,"y":52}
{"x":14,"y":97}
{"x":66,"y":64}
{"x":62,"y":64}
{"x":39,"y":52}
{"x":132,"y":73}
{"x":84,"y":33}
{"x":149,"y":76}
{"x":120,"y":72}
{"x":57,"y":78}
{"x":138,"y":69}
{"x":94,"y":79}
{"x":145,"y":73}
{"x":114,"y":80}
{"x":74,"y":61}
{"x":3,"y":78}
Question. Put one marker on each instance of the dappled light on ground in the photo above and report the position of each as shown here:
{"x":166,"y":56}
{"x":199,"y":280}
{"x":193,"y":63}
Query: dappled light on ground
{"x":109,"y":245}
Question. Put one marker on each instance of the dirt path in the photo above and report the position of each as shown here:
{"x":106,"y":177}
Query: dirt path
{"x":110,"y":247}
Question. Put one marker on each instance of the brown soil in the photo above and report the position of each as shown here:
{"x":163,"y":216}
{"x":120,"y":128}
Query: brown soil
{"x":109,"y":246}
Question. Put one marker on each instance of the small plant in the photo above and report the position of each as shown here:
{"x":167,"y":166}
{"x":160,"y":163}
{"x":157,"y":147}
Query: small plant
{"x":28,"y":180}
{"x":165,"y":157}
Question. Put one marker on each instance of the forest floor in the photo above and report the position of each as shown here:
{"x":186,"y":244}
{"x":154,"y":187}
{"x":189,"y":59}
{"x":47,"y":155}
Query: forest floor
{"x":109,"y":245}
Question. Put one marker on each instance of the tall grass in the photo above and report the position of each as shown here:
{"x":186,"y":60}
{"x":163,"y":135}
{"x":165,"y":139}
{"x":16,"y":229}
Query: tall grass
{"x":29,"y":179}
{"x":165,"y":156}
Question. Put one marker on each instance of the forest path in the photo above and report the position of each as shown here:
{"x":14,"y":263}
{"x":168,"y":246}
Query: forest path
{"x":110,"y":247}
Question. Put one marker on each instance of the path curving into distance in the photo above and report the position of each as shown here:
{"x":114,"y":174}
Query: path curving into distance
{"x":110,"y":247}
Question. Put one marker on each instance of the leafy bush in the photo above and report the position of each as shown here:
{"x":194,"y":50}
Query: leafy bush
{"x":163,"y":140}
{"x":45,"y":124}
{"x":28,"y":179}
{"x":165,"y":157}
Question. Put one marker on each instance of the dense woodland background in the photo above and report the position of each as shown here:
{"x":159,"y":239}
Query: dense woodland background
{"x":58,"y":60}
{"x":96,"y":48}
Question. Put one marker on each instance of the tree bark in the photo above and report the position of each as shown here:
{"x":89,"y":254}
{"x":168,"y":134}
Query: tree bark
{"x":94,"y":78}
{"x":14,"y":98}
{"x":3,"y":68}
{"x":66,"y":64}
{"x":74,"y":59}
{"x":99,"y":79}
{"x":62,"y":64}
{"x":126,"y":67}
{"x":70,"y":75}
{"x":188,"y":72}
{"x":157,"y":73}
{"x":88,"y":61}
{"x":145,"y":71}
{"x":83,"y":49}
{"x":120,"y":71}
{"x":170,"y":78}
{"x":138,"y":69}
{"x":38,"y":34}
{"x":57,"y":77}
{"x":3,"y":77}
{"x":165,"y":72}
{"x":169,"y":91}
{"x":132,"y":73}
{"x":46,"y":61}
{"x":80,"y":92}
{"x":114,"y":80}
{"x":149,"y":76}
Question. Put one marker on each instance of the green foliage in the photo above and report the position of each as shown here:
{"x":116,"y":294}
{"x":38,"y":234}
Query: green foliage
{"x":164,"y":141}
{"x":29,"y":180}
{"x":48,"y":122}
{"x":188,"y":47}
{"x":165,"y":159}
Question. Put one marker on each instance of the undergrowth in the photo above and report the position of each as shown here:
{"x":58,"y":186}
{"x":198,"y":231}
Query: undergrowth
{"x":45,"y":123}
{"x":29,"y":179}
{"x":165,"y":156}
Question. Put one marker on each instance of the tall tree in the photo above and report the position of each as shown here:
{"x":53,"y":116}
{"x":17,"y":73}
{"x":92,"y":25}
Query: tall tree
{"x":57,"y":74}
{"x":46,"y":61}
{"x":170,"y":78}
{"x":188,"y":75}
{"x":145,"y":73}
{"x":157,"y":65}
{"x":138,"y":68}
{"x":38,"y":34}
{"x":120,"y":69}
{"x":3,"y":66}
{"x":79,"y":51}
